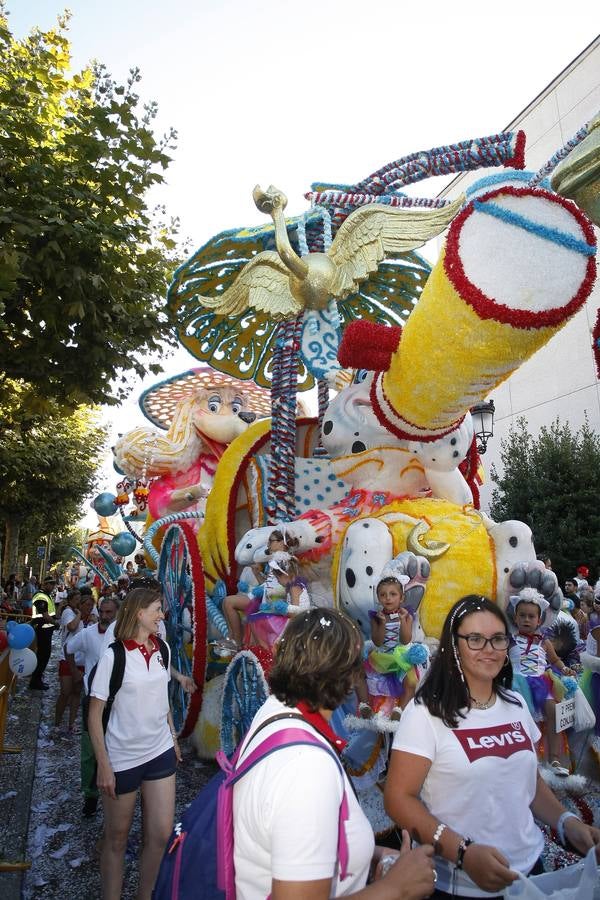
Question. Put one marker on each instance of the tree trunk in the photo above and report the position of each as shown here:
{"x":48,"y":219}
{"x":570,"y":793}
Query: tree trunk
{"x":11,"y":546}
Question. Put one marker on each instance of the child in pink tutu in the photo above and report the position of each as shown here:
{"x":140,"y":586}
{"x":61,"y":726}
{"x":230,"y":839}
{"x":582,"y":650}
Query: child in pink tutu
{"x":269,"y":621}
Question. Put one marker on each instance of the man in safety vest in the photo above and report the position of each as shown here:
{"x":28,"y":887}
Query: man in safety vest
{"x":43,"y":620}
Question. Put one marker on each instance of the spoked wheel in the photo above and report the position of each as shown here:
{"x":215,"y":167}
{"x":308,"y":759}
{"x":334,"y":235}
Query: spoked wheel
{"x":244,"y":692}
{"x":181,"y":574}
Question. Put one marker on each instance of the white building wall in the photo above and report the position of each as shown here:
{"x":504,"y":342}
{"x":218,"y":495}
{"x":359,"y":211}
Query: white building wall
{"x":560,"y":380}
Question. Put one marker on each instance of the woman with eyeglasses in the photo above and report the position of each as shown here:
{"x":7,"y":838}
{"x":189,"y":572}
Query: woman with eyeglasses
{"x":463,"y":774}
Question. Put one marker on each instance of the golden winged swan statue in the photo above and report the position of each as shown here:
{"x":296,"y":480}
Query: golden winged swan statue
{"x":282,"y":284}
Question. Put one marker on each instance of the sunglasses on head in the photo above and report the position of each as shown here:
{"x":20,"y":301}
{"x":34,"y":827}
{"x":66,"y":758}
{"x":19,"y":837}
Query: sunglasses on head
{"x":145,"y":582}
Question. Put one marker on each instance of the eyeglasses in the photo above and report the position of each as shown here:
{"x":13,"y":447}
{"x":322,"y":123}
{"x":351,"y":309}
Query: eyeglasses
{"x":478,"y":641}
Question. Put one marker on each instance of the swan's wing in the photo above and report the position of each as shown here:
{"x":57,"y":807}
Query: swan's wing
{"x":372,"y":232}
{"x":263,"y":284}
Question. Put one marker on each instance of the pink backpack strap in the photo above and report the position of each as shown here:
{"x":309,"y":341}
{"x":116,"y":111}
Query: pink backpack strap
{"x":286,"y":737}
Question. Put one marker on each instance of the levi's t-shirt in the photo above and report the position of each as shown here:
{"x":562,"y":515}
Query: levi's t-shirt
{"x":481,"y":782}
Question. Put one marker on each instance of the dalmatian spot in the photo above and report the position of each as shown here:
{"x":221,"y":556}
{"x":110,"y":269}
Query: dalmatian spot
{"x":369,"y":569}
{"x":327,"y":427}
{"x":453,"y":442}
{"x":358,"y":447}
{"x":513,"y":541}
{"x":350,"y":578}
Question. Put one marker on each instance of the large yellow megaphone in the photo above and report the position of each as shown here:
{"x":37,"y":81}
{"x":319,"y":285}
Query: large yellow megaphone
{"x":517,"y":264}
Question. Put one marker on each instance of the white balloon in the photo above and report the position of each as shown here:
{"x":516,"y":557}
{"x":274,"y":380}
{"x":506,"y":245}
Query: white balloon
{"x":22,"y":662}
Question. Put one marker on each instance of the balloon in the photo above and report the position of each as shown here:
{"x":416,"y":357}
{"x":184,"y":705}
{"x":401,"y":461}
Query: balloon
{"x":10,"y":625}
{"x":123,"y":543}
{"x":104,"y":504}
{"x":3,"y":641}
{"x":22,"y":662}
{"x":20,"y":636}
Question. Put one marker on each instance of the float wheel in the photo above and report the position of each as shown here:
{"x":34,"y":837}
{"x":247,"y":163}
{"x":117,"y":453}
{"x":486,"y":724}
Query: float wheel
{"x":182,"y":577}
{"x":244,"y":692}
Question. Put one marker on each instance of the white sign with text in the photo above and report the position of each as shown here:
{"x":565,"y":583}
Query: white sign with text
{"x":565,"y":714}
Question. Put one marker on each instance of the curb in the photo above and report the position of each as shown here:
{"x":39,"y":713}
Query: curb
{"x":17,"y":772}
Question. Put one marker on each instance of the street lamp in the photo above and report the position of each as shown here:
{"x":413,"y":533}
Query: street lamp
{"x":483,"y":423}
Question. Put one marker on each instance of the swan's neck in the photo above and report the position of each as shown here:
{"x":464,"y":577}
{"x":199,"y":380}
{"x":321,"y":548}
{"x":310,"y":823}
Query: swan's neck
{"x":293,"y":262}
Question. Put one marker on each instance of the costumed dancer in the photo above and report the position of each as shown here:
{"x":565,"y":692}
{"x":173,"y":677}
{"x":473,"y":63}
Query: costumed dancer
{"x":537,"y":669}
{"x":392,"y":668}
{"x":268,"y":589}
{"x":269,"y":621}
{"x":590,"y":680}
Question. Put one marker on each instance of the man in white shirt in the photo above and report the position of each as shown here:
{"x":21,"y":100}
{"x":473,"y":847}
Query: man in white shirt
{"x":88,"y":645}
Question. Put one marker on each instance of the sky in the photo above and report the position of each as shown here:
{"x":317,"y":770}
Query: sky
{"x":282,"y":92}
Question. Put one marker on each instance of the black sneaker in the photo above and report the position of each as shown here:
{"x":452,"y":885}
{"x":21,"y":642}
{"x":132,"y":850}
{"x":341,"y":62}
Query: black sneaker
{"x":90,"y":805}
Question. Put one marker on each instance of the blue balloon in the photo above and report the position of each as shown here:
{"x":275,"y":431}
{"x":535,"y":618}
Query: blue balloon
{"x":10,"y":625}
{"x":123,"y":543}
{"x":104,"y":504}
{"x":20,"y":636}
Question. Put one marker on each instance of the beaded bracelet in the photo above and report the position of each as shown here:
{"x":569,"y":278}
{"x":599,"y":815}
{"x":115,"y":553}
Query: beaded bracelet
{"x":437,"y":835}
{"x":560,"y":825}
{"x":462,"y":849}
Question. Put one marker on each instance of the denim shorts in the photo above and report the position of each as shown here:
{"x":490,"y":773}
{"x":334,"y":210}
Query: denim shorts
{"x":161,"y":766}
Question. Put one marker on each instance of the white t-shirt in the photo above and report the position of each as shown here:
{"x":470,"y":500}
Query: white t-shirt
{"x":482,"y":781}
{"x":138,"y":730}
{"x":88,"y":646}
{"x":109,"y":634}
{"x":591,"y":645}
{"x":68,"y":615}
{"x":286,"y":813}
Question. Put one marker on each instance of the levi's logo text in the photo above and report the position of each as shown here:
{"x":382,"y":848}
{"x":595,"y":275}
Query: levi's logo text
{"x":498,"y":740}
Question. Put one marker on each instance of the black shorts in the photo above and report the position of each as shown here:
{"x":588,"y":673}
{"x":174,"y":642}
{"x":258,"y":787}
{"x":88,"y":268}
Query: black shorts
{"x":161,"y":766}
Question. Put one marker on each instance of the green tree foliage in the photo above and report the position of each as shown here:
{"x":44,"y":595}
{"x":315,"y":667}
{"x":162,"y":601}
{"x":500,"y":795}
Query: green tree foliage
{"x":48,"y":467}
{"x":551,"y":483}
{"x":84,"y":264}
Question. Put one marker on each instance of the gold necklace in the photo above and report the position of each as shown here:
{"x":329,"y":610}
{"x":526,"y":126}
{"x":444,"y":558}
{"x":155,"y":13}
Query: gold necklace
{"x":483,"y":704}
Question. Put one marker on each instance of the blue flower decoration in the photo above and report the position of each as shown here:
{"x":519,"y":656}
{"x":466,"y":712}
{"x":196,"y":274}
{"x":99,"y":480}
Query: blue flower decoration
{"x":570,"y":685}
{"x":418,"y":654}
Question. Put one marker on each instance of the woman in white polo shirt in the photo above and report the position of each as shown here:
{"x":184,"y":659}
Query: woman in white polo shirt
{"x":139,"y":749}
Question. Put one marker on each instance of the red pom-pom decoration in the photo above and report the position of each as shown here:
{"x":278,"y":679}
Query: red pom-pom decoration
{"x":366,"y":345}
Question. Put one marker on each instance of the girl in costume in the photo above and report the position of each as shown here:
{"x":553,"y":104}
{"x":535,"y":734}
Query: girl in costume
{"x":535,"y":666}
{"x":268,"y":589}
{"x":391,"y":668}
{"x":463,"y":774}
{"x":590,"y":681}
{"x":269,"y":621}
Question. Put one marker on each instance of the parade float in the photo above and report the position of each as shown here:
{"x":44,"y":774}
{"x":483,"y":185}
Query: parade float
{"x":388,"y":470}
